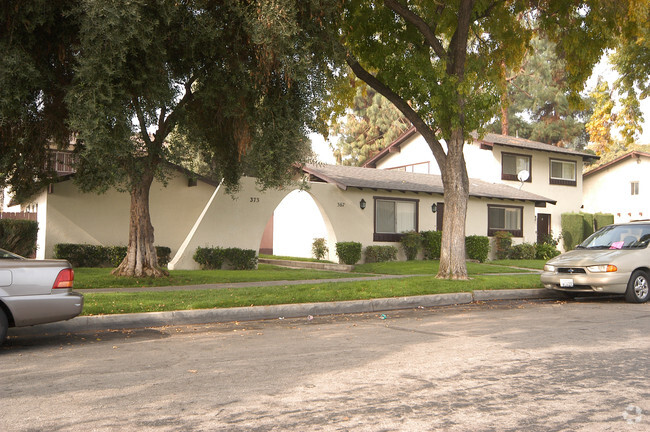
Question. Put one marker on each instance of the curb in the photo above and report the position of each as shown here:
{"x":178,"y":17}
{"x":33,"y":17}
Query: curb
{"x":255,"y":313}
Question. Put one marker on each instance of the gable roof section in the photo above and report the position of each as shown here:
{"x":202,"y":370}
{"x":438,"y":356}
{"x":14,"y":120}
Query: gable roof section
{"x":632,"y":154}
{"x":489,"y":140}
{"x":505,"y":140}
{"x":368,"y":178}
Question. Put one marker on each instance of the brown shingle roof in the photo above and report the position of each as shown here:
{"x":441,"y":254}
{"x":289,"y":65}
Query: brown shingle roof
{"x":631,"y":154}
{"x":392,"y":180}
{"x":506,"y":140}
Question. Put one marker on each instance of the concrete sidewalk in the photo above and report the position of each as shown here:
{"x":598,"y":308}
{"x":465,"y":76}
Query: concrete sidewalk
{"x":253,"y":313}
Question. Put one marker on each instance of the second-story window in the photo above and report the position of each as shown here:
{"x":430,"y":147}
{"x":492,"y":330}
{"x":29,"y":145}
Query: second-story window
{"x":512,"y":164}
{"x":634,"y":188}
{"x":562,"y":172}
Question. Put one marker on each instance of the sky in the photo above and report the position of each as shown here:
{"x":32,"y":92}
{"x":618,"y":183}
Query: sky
{"x":604,"y":69}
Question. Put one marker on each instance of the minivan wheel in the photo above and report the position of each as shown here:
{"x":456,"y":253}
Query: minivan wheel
{"x":638,"y":288}
{"x":3,"y":326}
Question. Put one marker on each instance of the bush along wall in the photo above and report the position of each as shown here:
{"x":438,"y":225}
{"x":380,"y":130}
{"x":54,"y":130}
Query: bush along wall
{"x":431,"y":243}
{"x":503,"y":244}
{"x":349,"y":252}
{"x":572,"y":230}
{"x":602,"y":219}
{"x":214,"y":258}
{"x":477,"y":247}
{"x":85,"y":255}
{"x":19,"y":236}
{"x":375,"y":254}
{"x":411,"y":243}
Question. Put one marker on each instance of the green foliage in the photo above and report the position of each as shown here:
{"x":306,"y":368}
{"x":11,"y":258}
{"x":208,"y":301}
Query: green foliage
{"x":86,"y":255}
{"x":503,"y":244}
{"x":545,"y":251}
{"x":587,"y":224}
{"x":523,"y":251}
{"x":371,"y":124}
{"x":477,"y":247}
{"x":18,"y":236}
{"x":431,"y":243}
{"x":573,"y":229}
{"x":411,"y":243}
{"x":375,"y":254}
{"x":349,"y":252}
{"x":602,"y":219}
{"x":213,"y":258}
{"x":319,"y":248}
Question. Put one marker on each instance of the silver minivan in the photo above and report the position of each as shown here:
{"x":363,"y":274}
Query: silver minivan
{"x":614,"y":259}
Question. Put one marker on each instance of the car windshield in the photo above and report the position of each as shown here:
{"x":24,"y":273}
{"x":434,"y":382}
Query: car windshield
{"x":618,"y":237}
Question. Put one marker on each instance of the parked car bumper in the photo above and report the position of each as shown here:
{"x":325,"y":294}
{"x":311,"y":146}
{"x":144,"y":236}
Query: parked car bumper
{"x":41,"y":309}
{"x":614,"y":282}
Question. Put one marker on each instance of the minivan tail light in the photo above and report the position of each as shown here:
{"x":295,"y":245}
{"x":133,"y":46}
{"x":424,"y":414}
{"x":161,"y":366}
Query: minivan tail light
{"x":65,"y":279}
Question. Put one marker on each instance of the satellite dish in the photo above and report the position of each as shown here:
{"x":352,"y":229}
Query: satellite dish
{"x":523,"y":175}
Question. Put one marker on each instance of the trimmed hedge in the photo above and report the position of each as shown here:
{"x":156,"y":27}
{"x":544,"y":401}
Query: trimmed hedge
{"x":602,"y":219}
{"x":523,"y":251}
{"x":376,"y":254}
{"x":349,"y":252}
{"x":573,"y":228}
{"x":431,"y":243}
{"x":546,"y":251}
{"x":411,"y":243}
{"x":477,"y":247}
{"x":214,"y":258}
{"x":85,"y":255}
{"x":19,"y":236}
{"x":503,"y":244}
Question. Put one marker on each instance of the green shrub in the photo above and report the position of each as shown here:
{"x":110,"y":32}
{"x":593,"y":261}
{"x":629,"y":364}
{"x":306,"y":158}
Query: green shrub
{"x":349,"y":252}
{"x":241,"y":259}
{"x":431,"y":243}
{"x":380,"y":254}
{"x":209,"y":258}
{"x":572,"y":229}
{"x":85,"y":255}
{"x":503,"y":244}
{"x":602,"y":219}
{"x":545,"y":251}
{"x":411,"y":243}
{"x":477,"y":247}
{"x":319,"y":248}
{"x":587,"y":225}
{"x":19,"y":236}
{"x":523,"y":251}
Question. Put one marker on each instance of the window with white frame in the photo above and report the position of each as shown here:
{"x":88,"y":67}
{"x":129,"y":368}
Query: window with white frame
{"x":505,"y":218}
{"x":562,"y":172}
{"x":512,"y":164}
{"x":393,"y":217}
{"x":634,"y":188}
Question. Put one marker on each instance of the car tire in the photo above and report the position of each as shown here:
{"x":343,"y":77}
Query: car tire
{"x":638,"y":288}
{"x":3,"y":326}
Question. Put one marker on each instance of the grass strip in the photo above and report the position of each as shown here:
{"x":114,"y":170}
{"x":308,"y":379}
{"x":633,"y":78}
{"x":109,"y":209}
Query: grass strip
{"x":429,"y":267}
{"x":531,"y":264}
{"x":89,"y":278}
{"x":158,"y":301}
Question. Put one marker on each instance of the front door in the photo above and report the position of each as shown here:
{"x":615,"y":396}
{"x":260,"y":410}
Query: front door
{"x":543,"y":226}
{"x":440,"y":212}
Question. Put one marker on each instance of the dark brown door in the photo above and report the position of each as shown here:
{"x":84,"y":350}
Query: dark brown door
{"x":440,"y":212}
{"x":543,"y":226}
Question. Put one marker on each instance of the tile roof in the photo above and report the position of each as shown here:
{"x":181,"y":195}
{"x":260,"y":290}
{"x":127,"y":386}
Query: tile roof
{"x":637,"y":154}
{"x":392,"y":180}
{"x":506,"y":140}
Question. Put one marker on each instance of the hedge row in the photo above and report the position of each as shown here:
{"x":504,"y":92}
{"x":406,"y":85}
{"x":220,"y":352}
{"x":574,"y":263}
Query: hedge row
{"x":578,"y":226}
{"x":85,"y":255}
{"x":213,"y":258}
{"x":18,"y":236}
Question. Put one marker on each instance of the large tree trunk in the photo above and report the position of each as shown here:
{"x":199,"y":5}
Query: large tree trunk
{"x":141,"y":259}
{"x":456,"y":187}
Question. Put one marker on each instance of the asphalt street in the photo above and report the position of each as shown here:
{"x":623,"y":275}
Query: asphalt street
{"x":539,"y":365}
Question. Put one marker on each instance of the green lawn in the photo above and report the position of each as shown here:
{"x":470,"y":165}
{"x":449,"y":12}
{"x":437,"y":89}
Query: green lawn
{"x":531,"y":264}
{"x":427,"y":267}
{"x":125,"y":302}
{"x":88,"y":278}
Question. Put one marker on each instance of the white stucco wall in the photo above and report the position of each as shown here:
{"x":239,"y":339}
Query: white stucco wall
{"x":76,"y":217}
{"x":609,"y":191}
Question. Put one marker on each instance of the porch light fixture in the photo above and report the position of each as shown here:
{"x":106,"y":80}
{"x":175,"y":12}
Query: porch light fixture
{"x":362,"y":204}
{"x":434,"y":207}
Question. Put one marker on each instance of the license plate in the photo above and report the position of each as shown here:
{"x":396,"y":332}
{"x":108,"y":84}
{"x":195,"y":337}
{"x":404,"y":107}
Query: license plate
{"x":566,"y":283}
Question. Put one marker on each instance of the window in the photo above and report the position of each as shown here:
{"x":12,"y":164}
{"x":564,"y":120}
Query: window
{"x":505,"y":218}
{"x":393,"y":217}
{"x":634,"y":188}
{"x":512,"y":164}
{"x":563,"y":172}
{"x":422,"y":167}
